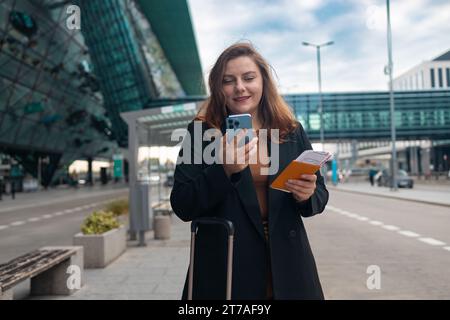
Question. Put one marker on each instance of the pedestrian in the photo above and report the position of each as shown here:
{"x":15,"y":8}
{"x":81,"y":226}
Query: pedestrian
{"x":272,"y":255}
{"x":13,"y":189}
{"x":74,"y":179}
{"x":372,"y":174}
{"x":1,"y":187}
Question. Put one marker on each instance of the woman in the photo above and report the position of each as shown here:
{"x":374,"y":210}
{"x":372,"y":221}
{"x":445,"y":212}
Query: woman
{"x":272,"y":255}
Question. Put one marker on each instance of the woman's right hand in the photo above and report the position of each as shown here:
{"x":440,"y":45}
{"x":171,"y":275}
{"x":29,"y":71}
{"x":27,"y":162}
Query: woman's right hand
{"x":242,"y":154}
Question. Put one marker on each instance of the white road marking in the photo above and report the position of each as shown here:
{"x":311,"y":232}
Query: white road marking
{"x":409,"y":234}
{"x":432,"y":241}
{"x":59,"y":199}
{"x":48,"y":216}
{"x":405,"y":233}
{"x":17,"y":223}
{"x":391,"y":228}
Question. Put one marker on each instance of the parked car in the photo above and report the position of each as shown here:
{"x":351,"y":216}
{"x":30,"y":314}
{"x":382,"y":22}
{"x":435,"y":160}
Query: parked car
{"x":30,"y":185}
{"x":403,"y":179}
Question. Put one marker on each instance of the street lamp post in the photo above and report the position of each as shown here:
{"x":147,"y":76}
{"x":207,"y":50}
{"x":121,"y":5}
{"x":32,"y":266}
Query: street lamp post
{"x":319,"y":76}
{"x":39,"y":172}
{"x":389,"y":71}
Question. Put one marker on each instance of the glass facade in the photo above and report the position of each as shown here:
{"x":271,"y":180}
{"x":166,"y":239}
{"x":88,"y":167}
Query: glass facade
{"x":366,"y":115}
{"x":49,"y":98}
{"x":127,"y":57}
{"x":157,"y":66}
{"x":117,"y":62}
{"x":62,"y":89}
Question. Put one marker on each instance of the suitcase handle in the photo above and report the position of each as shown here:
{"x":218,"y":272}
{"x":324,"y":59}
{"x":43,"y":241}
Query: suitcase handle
{"x":226,"y":223}
{"x":230,"y":229}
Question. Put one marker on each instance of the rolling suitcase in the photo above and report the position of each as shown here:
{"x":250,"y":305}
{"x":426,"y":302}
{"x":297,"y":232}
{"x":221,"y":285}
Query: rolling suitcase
{"x":230,"y":229}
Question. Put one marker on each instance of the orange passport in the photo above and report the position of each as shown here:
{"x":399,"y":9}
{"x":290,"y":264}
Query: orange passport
{"x":307,"y":163}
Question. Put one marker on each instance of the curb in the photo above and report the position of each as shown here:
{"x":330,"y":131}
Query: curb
{"x":62,"y":200}
{"x":389,"y":196}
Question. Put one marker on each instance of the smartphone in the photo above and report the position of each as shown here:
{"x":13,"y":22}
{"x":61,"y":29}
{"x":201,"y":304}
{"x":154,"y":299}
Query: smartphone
{"x":237,"y":122}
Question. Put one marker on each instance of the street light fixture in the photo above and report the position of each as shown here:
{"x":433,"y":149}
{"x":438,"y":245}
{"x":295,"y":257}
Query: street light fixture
{"x":308,"y":44}
{"x":329,"y":43}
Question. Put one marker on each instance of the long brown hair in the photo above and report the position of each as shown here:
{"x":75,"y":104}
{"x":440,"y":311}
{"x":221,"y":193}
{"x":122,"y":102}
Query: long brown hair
{"x":273,"y":110}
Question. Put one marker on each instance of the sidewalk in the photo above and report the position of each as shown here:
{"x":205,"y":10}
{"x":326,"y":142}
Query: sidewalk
{"x":429,"y":194}
{"x":154,"y":272}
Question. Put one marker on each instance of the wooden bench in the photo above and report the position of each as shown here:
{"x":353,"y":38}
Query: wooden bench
{"x":52,"y":270}
{"x":156,"y":205}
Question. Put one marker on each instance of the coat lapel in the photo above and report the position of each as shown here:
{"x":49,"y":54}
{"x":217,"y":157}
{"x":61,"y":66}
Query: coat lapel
{"x":287,"y":152}
{"x":275,"y":197}
{"x":249,"y":200}
{"x":247,"y":194}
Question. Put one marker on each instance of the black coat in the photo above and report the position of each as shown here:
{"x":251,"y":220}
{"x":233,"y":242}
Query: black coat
{"x":205,"y":190}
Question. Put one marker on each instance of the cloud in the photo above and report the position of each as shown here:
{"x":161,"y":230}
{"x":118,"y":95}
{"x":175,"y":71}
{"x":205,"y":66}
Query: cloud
{"x":355,"y":62}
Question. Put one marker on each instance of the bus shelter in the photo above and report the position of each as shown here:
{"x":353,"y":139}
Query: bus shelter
{"x":147,"y":129}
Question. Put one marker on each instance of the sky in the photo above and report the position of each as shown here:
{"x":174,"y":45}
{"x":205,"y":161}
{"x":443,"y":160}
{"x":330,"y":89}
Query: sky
{"x":356,"y":60}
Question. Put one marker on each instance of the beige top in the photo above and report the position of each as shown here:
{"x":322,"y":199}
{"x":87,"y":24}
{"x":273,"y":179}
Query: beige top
{"x":261,"y":181}
{"x":261,"y":185}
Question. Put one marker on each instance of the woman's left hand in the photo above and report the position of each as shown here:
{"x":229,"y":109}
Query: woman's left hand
{"x":302,"y":189}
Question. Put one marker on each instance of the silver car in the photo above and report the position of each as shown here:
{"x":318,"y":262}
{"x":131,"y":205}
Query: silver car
{"x":403,"y":179}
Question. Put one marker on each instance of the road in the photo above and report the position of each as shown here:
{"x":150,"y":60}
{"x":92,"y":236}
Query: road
{"x":408,"y":241}
{"x":50,"y":219}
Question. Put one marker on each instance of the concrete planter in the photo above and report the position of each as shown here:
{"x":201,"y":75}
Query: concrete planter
{"x":101,"y":249}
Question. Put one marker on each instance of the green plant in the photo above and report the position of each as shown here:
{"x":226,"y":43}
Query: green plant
{"x":118,"y":207}
{"x":99,"y":222}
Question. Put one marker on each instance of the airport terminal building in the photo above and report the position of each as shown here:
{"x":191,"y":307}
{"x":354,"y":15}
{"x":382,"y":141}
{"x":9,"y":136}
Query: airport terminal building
{"x":67,"y":71}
